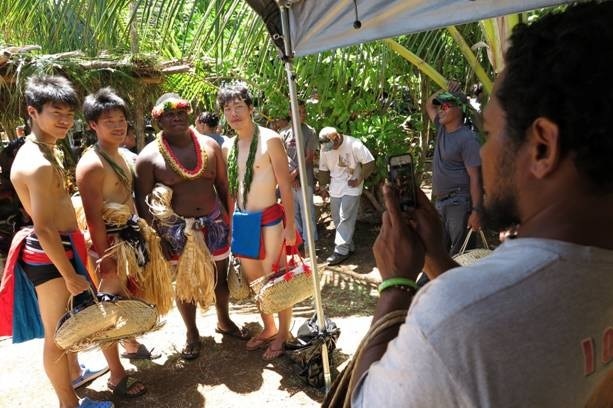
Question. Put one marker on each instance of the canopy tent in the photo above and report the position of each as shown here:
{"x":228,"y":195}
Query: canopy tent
{"x":303,"y":27}
{"x":319,"y":25}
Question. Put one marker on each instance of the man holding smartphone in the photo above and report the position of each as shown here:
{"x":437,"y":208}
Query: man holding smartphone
{"x":456,"y":185}
{"x":531,"y":325}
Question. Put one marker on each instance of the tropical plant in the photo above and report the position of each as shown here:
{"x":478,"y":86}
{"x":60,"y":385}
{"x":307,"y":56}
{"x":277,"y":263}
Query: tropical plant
{"x":366,"y":90}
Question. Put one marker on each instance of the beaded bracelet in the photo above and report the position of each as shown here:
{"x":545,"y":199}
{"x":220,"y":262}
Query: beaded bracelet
{"x":406,"y":284}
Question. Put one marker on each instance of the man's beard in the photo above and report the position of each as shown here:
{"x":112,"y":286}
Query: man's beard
{"x":501,"y":213}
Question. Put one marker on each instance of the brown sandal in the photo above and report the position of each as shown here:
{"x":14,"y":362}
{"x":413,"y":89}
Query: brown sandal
{"x":271,"y":354}
{"x":123,"y":387}
{"x":257,"y":342}
{"x":191,"y":351}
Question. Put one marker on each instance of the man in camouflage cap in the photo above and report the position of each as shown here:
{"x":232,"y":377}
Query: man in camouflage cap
{"x":456,"y":185}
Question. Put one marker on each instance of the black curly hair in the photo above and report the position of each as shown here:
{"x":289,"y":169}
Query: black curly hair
{"x":209,"y":118}
{"x":236,"y":90}
{"x":104,"y":100}
{"x":55,"y":89}
{"x":560,"y":68}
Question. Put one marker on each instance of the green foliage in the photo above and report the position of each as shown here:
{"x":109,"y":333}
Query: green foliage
{"x":85,"y":80}
{"x":365,"y":90}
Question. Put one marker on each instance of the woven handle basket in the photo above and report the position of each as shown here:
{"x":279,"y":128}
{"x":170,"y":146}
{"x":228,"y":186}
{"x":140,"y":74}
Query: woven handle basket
{"x":284,"y":291}
{"x":135,"y":317}
{"x":76,"y":327}
{"x":471,"y":256}
{"x":237,"y":282}
{"x":103,"y":322}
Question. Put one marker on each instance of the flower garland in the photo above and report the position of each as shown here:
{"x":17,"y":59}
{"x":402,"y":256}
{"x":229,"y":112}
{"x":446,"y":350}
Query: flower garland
{"x":170,"y":158}
{"x":170,"y":105}
{"x":233,"y":167}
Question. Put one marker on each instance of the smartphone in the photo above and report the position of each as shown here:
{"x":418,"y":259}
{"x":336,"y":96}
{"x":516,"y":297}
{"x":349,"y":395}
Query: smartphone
{"x":401,"y":175}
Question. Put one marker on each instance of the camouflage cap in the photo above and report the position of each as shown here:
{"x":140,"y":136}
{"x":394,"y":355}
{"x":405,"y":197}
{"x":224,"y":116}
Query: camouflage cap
{"x":450,"y":97}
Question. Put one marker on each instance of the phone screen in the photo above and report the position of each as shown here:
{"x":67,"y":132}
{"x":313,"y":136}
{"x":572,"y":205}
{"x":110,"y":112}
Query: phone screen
{"x":401,"y":176}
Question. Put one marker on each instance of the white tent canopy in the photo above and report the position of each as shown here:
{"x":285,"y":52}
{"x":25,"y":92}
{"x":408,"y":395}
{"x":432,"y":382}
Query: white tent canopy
{"x":319,"y":25}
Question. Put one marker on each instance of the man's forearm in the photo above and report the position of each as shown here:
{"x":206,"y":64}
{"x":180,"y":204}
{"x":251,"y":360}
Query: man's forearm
{"x":437,"y":265}
{"x":475,"y":193}
{"x":475,"y":187}
{"x":97,"y":232}
{"x":223,"y":195}
{"x":430,"y":108}
{"x":287,"y":201}
{"x":367,"y":169}
{"x":391,"y":299}
{"x":142,"y":208}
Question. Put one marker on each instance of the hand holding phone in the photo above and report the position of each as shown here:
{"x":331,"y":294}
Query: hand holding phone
{"x":402,"y":177}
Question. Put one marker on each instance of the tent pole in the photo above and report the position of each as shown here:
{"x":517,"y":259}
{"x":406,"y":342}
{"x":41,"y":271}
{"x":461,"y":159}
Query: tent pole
{"x":297,"y":129}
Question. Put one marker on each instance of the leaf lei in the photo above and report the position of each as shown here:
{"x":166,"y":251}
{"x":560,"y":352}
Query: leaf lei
{"x":53,"y":154}
{"x":117,"y":169}
{"x":176,"y":166}
{"x":233,"y":167}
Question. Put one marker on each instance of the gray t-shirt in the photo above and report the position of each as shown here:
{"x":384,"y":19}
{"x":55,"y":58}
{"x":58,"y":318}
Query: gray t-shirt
{"x":308,"y":133}
{"x":219,"y":138}
{"x":531,"y":325}
{"x":453,"y":153}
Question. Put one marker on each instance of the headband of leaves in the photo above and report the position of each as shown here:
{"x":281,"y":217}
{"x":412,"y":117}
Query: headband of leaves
{"x":169,"y":105}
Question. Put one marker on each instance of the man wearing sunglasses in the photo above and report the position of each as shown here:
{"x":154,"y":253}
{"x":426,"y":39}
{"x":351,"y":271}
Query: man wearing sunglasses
{"x":456,"y":185}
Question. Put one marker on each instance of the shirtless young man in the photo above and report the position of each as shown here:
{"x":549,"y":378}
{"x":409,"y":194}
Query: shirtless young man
{"x":191,"y":167}
{"x":50,"y":251}
{"x":257,"y":163}
{"x":104,"y":176}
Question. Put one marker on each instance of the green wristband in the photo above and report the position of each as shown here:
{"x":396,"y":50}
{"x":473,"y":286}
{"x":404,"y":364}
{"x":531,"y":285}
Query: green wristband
{"x":393,"y":282}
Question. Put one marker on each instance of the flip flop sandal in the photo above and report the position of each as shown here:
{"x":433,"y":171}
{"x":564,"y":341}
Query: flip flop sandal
{"x":87,"y":376}
{"x":90,"y":403}
{"x":142,"y":353}
{"x":256,"y":343}
{"x":271,"y":354}
{"x":241,"y":334}
{"x":123,"y":387}
{"x":191,"y":351}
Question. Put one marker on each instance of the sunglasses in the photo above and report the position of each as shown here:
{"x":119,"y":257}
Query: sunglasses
{"x":445,"y":106}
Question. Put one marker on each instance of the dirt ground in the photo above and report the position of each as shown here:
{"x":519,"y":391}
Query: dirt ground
{"x":225,"y":374}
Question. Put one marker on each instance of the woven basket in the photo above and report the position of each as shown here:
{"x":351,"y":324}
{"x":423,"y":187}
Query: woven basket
{"x":282,"y":292}
{"x":237,"y":282}
{"x":104,"y":321}
{"x":76,"y":328}
{"x":471,"y":256}
{"x":135,"y":318}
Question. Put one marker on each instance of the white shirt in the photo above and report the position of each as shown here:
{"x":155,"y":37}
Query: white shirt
{"x":344,"y":164}
{"x":527,"y":326}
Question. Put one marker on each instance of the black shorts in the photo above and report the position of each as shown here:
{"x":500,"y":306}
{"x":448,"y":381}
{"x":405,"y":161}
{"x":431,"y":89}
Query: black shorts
{"x":40,"y":274}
